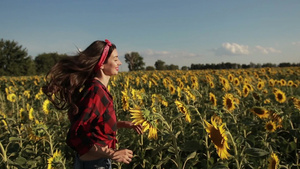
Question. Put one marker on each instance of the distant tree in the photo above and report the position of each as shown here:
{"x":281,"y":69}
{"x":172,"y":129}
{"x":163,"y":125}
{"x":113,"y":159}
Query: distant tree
{"x":159,"y":65}
{"x":268,"y":65}
{"x":14,"y":60}
{"x":30,"y":67}
{"x":45,"y":61}
{"x":284,"y":65}
{"x":134,"y":61}
{"x":184,"y":68}
{"x":150,"y":68}
{"x":171,"y":67}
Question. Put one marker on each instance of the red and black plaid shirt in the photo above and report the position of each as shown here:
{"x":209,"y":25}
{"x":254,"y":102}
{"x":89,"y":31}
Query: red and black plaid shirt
{"x":95,"y":122}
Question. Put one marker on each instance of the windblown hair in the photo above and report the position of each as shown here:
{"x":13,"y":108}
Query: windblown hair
{"x":68,"y":76}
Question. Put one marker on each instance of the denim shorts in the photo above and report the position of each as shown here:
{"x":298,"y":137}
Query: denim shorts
{"x":102,"y":163}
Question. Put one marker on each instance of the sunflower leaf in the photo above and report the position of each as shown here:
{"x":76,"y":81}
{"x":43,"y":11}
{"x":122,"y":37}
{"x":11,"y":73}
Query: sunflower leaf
{"x":256,"y":152}
{"x":190,"y":156}
{"x":15,"y":139}
{"x":222,"y":166}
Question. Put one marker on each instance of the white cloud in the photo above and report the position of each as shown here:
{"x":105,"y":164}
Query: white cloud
{"x":228,"y":49}
{"x":267,"y":50}
{"x":296,"y":43}
{"x":150,"y":52}
{"x":235,"y":48}
{"x":232,"y":49}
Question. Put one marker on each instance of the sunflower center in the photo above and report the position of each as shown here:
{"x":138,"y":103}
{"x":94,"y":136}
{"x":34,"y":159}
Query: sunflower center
{"x":216,"y":137}
{"x":273,"y":164}
{"x":258,"y":111}
{"x":229,"y":103}
{"x":270,"y":127}
{"x":280,"y":97}
{"x":212,"y":99}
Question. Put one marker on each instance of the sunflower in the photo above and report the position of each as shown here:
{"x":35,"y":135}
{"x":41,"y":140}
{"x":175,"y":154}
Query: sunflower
{"x":146,"y":119}
{"x":238,"y":91}
{"x":46,"y":106}
{"x":3,"y":117}
{"x":150,"y":84}
{"x":125,"y":100}
{"x":283,"y":82}
{"x":260,"y":112}
{"x":183,"y":109}
{"x":256,"y":96}
{"x":57,"y":157}
{"x":279,"y":95}
{"x":260,"y":85}
{"x":39,"y":95}
{"x":273,"y":161}
{"x":217,"y":119}
{"x":27,"y":93}
{"x":30,"y":114}
{"x":296,"y":103}
{"x":218,"y":136}
{"x":228,"y":102}
{"x":230,"y":77}
{"x":212,"y":99}
{"x":225,"y":84}
{"x":165,"y":82}
{"x":12,"y":97}
{"x":190,"y":94}
{"x":137,"y":81}
{"x":236,"y":81}
{"x":246,"y":91}
{"x":290,"y":83}
{"x":276,"y":119}
{"x":172,"y":89}
{"x":178,"y":91}
{"x":195,"y":84}
{"x":208,"y":77}
{"x":211,"y":84}
{"x":180,"y":83}
{"x":271,"y":82}
{"x":22,"y":110}
{"x":267,"y":101}
{"x":270,"y":126}
{"x":250,"y":87}
{"x":158,"y":99}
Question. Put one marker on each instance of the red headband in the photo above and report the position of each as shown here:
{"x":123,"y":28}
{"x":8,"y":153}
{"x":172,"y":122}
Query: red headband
{"x":104,"y":55}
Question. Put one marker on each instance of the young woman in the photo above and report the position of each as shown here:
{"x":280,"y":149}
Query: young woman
{"x":79,"y":84}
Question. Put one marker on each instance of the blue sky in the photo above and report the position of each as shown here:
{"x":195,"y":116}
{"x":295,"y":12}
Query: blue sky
{"x":175,"y":31}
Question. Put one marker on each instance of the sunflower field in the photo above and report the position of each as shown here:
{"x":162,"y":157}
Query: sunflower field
{"x":239,"y":118}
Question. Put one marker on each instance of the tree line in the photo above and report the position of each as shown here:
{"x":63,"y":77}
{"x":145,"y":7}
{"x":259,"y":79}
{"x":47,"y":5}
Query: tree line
{"x":15,"y":61}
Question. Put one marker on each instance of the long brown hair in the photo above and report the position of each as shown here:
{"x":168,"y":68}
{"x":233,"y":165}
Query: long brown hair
{"x":68,"y":76}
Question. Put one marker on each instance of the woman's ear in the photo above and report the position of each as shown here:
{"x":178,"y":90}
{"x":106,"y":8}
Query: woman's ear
{"x":102,"y":67}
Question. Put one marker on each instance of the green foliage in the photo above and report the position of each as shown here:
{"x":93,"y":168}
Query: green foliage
{"x":134,"y":61}
{"x":159,"y":65}
{"x":45,"y":61}
{"x":150,"y":68}
{"x":28,"y":132}
{"x":14,"y":60}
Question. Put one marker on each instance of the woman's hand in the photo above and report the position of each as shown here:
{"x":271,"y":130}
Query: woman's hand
{"x":129,"y":124}
{"x":123,"y":156}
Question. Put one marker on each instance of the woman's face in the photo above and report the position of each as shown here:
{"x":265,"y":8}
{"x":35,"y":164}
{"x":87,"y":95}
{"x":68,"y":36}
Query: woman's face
{"x":111,"y":67}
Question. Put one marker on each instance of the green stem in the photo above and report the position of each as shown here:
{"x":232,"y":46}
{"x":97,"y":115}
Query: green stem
{"x":4,"y":154}
{"x":174,"y":140}
{"x":206,"y":138}
{"x":295,"y":140}
{"x":238,"y":165}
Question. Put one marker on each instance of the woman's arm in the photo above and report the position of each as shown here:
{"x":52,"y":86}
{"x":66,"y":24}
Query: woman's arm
{"x":130,"y":125}
{"x":97,"y":152}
